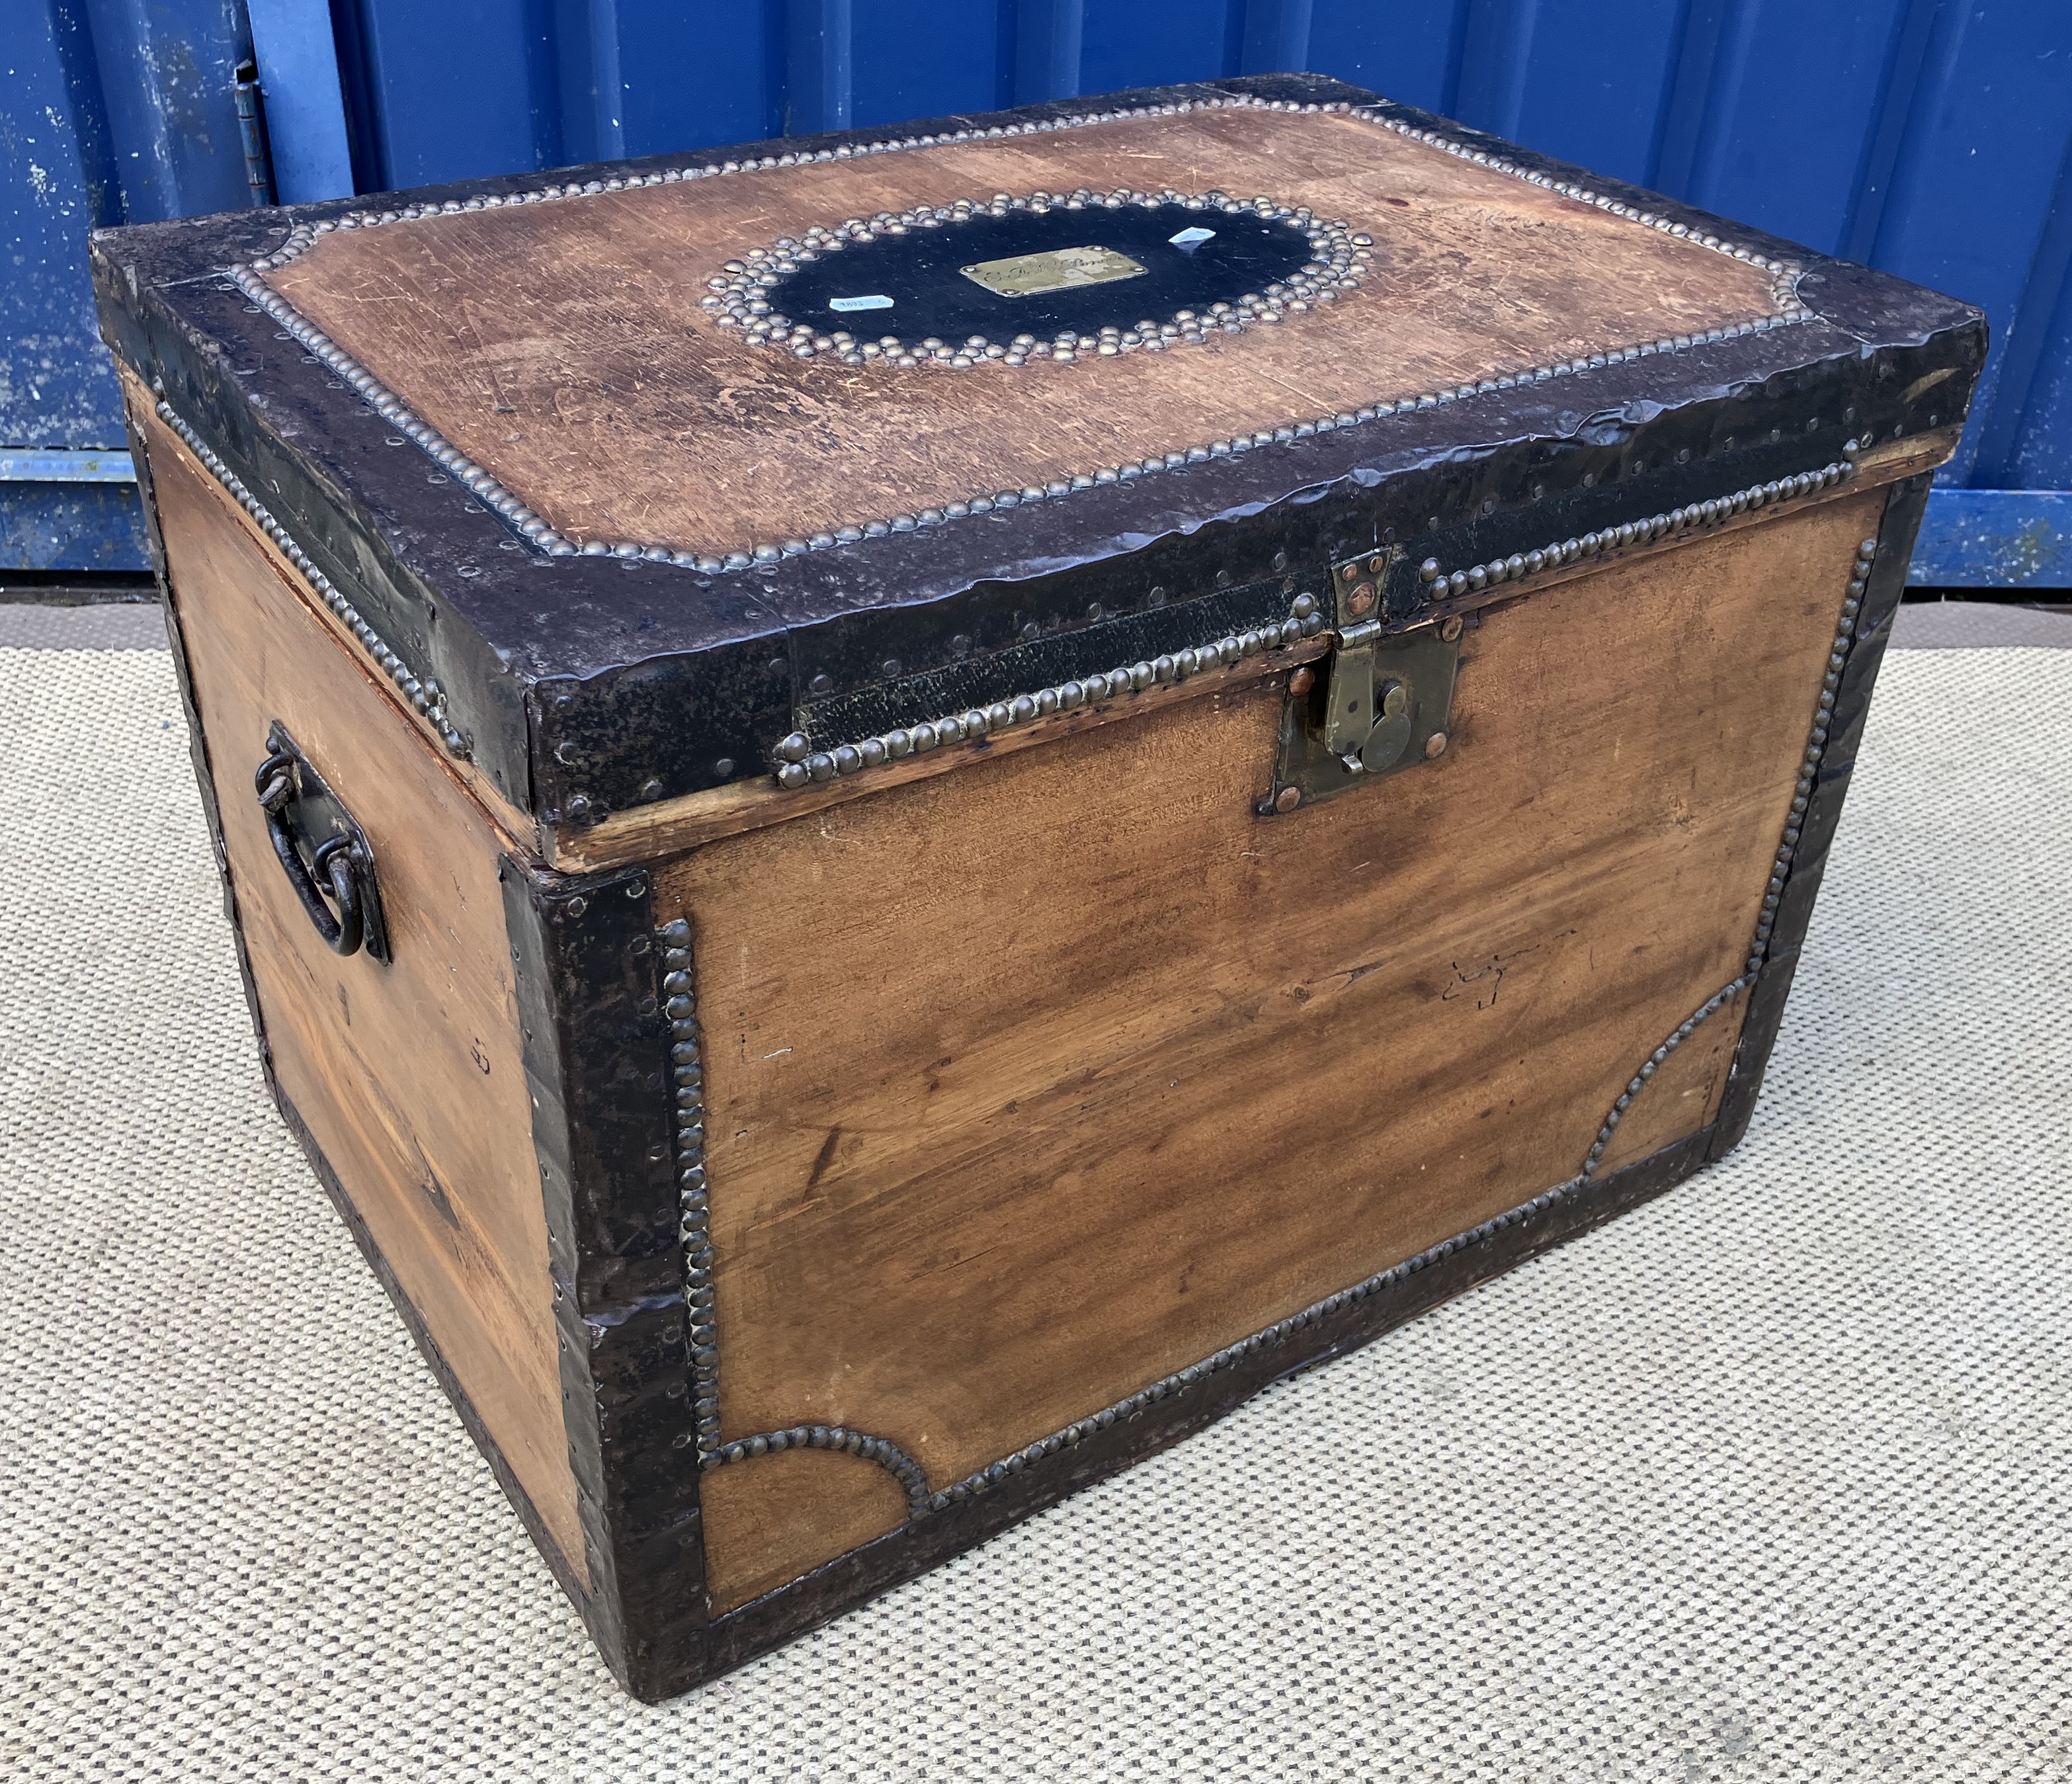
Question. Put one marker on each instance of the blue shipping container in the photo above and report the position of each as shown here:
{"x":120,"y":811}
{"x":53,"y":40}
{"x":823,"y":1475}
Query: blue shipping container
{"x":1930,"y":137}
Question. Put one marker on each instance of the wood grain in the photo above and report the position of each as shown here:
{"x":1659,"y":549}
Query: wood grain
{"x":1684,"y":1094}
{"x":409,"y":1075}
{"x":770,"y":1519}
{"x":1028,"y":1085}
{"x":561,"y":345}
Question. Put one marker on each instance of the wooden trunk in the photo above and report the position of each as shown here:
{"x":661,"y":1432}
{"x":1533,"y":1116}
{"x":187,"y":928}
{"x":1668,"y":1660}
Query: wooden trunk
{"x":870,"y":925}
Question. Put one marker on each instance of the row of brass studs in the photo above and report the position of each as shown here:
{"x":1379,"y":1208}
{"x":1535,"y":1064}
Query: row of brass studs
{"x":800,"y":765}
{"x":687,"y":1078}
{"x":1656,"y":1060}
{"x":742,"y":291}
{"x":1638,"y":533}
{"x":422,"y":692}
{"x":1802,"y":799}
{"x":888,"y":1456}
{"x":532,"y":526}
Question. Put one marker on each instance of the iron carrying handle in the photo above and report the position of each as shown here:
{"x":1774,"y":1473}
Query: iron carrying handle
{"x":333,"y":859}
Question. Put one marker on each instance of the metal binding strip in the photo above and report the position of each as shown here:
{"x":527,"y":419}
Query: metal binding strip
{"x":423,"y":694}
{"x":529,"y":525}
{"x":741,"y":290}
{"x":800,"y":765}
{"x":687,"y":1081}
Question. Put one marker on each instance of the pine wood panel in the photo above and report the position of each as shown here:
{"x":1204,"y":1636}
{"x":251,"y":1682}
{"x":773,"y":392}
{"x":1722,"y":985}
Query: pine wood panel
{"x":409,"y":1075}
{"x":1030,"y":1084}
{"x":770,"y":1519}
{"x":562,"y":346}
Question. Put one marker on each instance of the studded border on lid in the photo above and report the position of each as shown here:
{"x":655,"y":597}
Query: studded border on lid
{"x":248,"y":278}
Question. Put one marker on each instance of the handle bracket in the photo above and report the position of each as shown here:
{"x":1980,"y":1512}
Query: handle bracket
{"x":321,"y":848}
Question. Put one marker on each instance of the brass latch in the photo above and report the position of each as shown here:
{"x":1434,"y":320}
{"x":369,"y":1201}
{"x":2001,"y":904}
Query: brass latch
{"x":1380,"y":703}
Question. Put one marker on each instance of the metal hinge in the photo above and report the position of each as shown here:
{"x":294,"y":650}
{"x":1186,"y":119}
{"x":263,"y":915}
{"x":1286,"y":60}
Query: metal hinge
{"x":1378,"y":704}
{"x":251,"y":105}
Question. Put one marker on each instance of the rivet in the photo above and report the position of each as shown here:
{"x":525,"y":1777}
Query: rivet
{"x":1360,"y":601}
{"x":1435,"y":744}
{"x":1302,"y":680}
{"x":1288,"y":798}
{"x":1450,"y":629}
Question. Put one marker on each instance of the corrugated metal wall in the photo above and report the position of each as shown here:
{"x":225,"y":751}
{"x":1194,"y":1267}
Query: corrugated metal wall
{"x":1928,"y":137}
{"x":111,"y":111}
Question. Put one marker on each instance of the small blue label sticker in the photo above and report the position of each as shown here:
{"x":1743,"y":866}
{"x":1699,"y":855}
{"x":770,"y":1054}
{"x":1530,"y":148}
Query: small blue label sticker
{"x":845,"y":305}
{"x":1188,"y":240}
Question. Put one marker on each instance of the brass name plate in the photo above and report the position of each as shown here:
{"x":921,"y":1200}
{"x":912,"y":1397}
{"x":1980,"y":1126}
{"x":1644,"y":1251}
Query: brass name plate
{"x":1058,"y":270}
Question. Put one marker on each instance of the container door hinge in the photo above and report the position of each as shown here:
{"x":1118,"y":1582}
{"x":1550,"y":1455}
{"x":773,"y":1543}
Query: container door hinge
{"x":1378,"y":704}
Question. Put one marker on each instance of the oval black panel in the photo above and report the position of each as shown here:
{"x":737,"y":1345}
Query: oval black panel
{"x":921,"y":272}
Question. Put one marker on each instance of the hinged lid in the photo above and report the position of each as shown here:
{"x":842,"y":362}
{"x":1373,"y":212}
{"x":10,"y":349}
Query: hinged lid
{"x":657,"y":473}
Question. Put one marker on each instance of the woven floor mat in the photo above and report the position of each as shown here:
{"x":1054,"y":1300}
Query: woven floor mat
{"x":1771,"y":1479}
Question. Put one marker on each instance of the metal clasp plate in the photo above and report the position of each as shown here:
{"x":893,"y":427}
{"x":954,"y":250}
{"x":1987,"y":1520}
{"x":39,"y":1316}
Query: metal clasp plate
{"x":1380,"y":703}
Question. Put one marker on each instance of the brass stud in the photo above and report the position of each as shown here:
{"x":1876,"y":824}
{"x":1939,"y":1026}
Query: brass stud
{"x":1360,"y":603}
{"x":1435,"y":744}
{"x":1299,"y":684}
{"x":1287,"y":798}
